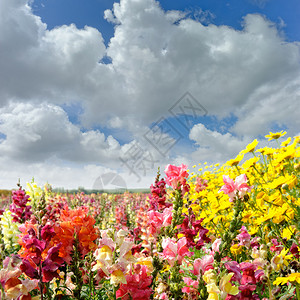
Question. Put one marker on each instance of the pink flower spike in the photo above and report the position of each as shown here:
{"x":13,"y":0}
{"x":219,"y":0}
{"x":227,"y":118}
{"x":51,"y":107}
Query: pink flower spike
{"x":233,"y":188}
{"x":229,"y":187}
{"x":203,"y":264}
{"x":241,"y":185}
{"x":175,"y":176}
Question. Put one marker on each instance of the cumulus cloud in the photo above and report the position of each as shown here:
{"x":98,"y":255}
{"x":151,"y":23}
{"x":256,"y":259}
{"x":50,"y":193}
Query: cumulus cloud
{"x":151,"y":66}
{"x":213,"y":146}
{"x":35,"y":133}
{"x":40,"y":141}
{"x":156,"y":56}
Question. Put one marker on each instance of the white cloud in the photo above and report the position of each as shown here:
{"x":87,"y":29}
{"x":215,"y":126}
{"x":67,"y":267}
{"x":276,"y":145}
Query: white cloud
{"x":156,"y":56}
{"x":41,"y":142}
{"x":213,"y":146}
{"x":40,"y":132}
{"x":151,"y":65}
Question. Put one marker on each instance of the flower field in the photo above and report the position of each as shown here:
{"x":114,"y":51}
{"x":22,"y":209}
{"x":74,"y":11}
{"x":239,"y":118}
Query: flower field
{"x":213,"y":232}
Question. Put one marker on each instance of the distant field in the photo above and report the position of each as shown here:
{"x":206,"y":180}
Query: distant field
{"x":107,"y":191}
{"x":5,"y":193}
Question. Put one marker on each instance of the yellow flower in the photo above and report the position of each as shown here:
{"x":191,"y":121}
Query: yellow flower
{"x":280,"y":260}
{"x":250,"y":147}
{"x":278,"y":182}
{"x":288,"y":153}
{"x":250,"y":163}
{"x":117,"y":277}
{"x":275,"y":136}
{"x":226,"y":287}
{"x":147,"y":261}
{"x":292,"y":181}
{"x":292,"y":278}
{"x":288,"y":232}
{"x":235,"y":161}
{"x":236,"y":249}
{"x":209,"y":276}
{"x":286,"y":142}
{"x":260,"y":199}
{"x":213,"y":291}
{"x":266,"y":151}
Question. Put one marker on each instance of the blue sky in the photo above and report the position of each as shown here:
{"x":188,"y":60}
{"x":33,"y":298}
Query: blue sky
{"x":229,"y":13}
{"x":86,"y":86}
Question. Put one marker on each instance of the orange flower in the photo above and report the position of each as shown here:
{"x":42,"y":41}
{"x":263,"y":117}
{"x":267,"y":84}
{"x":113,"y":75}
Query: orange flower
{"x":77,"y":224}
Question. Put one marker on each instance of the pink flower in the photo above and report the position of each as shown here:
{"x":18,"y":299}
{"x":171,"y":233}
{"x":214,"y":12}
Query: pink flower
{"x":216,"y":245}
{"x":175,"y":251}
{"x":137,"y":286}
{"x":237,"y":188}
{"x":157,"y":220}
{"x":167,"y":216}
{"x":244,"y":237}
{"x":201,"y":265}
{"x":176,"y":177}
{"x":241,"y":185}
{"x":248,"y":273}
{"x":201,"y":184}
{"x":191,"y":287}
{"x":229,"y":187}
{"x":163,"y":296}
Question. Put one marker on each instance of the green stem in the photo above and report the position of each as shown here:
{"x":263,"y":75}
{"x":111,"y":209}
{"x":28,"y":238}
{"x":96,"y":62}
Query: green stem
{"x":297,"y":292}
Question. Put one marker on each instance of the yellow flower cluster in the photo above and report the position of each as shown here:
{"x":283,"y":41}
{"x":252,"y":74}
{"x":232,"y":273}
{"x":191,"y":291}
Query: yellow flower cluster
{"x":274,"y":175}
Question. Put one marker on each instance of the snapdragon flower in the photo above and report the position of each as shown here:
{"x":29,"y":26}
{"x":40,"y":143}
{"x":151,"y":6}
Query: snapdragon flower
{"x":237,"y":188}
{"x":10,"y":231}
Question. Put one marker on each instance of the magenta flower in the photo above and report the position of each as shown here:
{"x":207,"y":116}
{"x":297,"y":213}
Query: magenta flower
{"x":158,"y":195}
{"x":52,"y":263}
{"x":247,"y":292}
{"x":35,"y":248}
{"x":277,"y":246}
{"x":19,"y":208}
{"x":47,"y":233}
{"x":29,"y":269}
{"x":294,"y":250}
{"x":194,"y":230}
{"x":237,"y":188}
{"x":233,"y":267}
